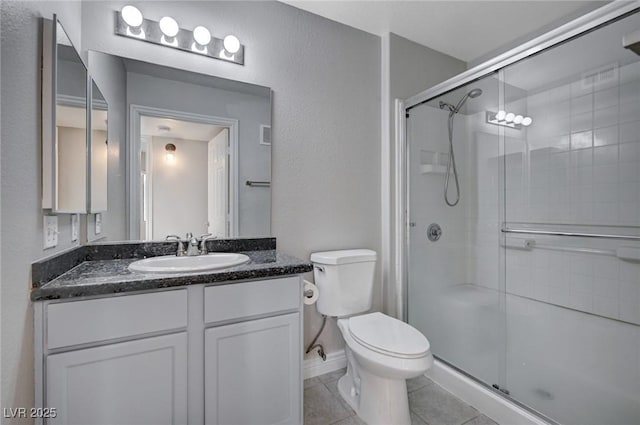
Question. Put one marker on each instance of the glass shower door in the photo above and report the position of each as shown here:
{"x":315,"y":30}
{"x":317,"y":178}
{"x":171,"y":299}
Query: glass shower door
{"x":455,"y":283}
{"x":573,"y":302}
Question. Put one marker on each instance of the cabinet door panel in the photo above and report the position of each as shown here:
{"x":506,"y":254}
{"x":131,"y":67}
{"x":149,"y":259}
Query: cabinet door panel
{"x":136,"y":382}
{"x":252,"y":372}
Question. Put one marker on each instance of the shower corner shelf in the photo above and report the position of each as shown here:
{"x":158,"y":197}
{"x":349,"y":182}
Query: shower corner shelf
{"x":433,"y":169}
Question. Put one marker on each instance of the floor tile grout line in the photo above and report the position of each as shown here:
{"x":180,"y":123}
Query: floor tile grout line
{"x":476,"y":416}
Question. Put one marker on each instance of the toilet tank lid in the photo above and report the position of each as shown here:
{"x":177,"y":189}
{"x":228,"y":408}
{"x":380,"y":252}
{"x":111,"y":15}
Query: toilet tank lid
{"x":343,"y":256}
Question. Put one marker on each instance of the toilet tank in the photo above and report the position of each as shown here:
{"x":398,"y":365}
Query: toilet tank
{"x":344,"y":280}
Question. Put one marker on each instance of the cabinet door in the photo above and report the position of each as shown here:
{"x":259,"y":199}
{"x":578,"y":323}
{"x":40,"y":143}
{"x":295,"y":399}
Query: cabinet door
{"x":253,"y":372}
{"x":136,"y":382}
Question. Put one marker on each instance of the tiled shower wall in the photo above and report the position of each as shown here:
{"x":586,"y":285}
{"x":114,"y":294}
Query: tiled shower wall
{"x":578,"y":164}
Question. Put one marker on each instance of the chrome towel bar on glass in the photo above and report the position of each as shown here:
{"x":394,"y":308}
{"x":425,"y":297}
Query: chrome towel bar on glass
{"x":575,"y":234}
{"x":257,"y":183}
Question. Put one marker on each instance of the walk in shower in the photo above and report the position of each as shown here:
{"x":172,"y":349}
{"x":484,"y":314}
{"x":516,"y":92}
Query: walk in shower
{"x":530,"y":282}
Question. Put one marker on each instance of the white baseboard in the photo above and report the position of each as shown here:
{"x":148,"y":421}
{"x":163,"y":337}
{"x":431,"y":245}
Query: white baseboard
{"x":314,"y":366}
{"x":486,"y":401}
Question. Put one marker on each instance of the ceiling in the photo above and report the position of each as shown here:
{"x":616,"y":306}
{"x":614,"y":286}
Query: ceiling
{"x":466,"y":30}
{"x":184,"y":130}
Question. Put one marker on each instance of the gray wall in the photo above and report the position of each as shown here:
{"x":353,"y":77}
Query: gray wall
{"x":111,"y":77}
{"x":326,"y":114}
{"x":21,"y":227}
{"x":412,"y":69}
{"x":254,"y":159}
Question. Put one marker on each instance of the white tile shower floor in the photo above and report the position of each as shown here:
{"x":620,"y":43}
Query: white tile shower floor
{"x":430,"y":404}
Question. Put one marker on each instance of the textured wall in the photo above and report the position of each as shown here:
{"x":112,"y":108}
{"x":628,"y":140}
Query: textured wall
{"x":21,"y":182}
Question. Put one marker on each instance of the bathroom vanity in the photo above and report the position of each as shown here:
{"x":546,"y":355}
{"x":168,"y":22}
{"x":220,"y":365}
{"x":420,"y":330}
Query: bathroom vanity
{"x":221,"y":347}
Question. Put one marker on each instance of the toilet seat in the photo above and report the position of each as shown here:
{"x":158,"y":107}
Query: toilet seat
{"x":386,"y":335}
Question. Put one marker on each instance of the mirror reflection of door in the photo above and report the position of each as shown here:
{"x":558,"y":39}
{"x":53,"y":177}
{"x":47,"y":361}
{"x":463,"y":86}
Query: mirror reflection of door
{"x":217,"y":184}
{"x":184,"y":173}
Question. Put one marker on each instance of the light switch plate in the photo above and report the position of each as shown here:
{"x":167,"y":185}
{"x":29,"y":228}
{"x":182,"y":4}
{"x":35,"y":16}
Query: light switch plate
{"x":98,"y":223}
{"x":75,"y":227}
{"x":50,"y":231}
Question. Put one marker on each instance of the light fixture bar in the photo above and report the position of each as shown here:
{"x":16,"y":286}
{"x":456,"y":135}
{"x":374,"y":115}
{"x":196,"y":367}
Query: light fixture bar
{"x":150,"y":32}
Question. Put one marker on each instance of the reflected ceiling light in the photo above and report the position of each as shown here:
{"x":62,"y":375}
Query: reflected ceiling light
{"x":169,"y":26}
{"x":508,"y":119}
{"x":201,"y":35}
{"x":231,"y":44}
{"x":170,"y":149}
{"x":131,"y":15}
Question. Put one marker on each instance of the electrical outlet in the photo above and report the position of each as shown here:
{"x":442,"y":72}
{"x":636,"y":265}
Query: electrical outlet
{"x":50,"y":231}
{"x":75,"y":227}
{"x":98,"y":223}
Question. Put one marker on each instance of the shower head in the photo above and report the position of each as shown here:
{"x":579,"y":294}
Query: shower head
{"x":475,"y":93}
{"x":471,"y":94}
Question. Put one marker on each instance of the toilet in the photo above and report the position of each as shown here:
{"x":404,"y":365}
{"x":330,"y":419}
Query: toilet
{"x":382,"y":352}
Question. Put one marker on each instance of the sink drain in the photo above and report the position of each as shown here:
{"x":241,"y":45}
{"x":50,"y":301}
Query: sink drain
{"x":543,"y":394}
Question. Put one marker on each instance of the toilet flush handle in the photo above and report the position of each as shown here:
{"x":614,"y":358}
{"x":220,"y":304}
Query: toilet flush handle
{"x":320,"y":269}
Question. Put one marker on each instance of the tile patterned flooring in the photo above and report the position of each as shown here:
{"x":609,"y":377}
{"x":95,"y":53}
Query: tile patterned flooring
{"x":430,"y":404}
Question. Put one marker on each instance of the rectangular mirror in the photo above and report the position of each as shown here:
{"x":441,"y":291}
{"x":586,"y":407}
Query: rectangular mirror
{"x":64,"y":123}
{"x":98,"y":151}
{"x":198,"y":152}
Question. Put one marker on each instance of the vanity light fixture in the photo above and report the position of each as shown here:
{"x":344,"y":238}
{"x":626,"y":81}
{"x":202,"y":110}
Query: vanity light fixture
{"x":131,"y":23}
{"x":508,"y":119}
{"x":170,"y":30}
{"x":133,"y":18}
{"x":202,"y":38}
{"x":170,"y":148}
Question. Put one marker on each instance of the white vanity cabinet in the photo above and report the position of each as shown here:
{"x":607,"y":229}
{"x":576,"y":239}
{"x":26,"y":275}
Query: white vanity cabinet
{"x":216,"y":354}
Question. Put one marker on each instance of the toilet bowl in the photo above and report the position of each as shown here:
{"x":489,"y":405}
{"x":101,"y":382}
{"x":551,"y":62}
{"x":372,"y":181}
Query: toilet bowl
{"x":382,"y":352}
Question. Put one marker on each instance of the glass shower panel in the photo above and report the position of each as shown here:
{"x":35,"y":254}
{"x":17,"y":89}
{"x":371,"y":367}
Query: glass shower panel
{"x":573,"y":303}
{"x":454,"y":283}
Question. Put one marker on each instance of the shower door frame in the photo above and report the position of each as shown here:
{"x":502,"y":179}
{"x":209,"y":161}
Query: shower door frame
{"x":575,"y":28}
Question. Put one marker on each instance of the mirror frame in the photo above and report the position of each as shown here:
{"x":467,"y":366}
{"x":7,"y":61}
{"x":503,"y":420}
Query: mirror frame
{"x":91,"y":209}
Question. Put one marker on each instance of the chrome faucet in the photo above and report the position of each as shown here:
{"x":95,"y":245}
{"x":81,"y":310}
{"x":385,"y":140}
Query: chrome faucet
{"x":180,"y":252}
{"x":195,"y":246}
{"x":203,"y":243}
{"x":192,"y":245}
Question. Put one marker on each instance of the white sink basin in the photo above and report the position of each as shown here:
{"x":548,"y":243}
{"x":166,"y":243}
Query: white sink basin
{"x":201,"y":263}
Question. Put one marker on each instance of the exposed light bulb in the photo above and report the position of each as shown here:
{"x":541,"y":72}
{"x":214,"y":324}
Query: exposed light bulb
{"x":500,"y":115}
{"x":170,"y":157}
{"x":201,"y":35}
{"x":526,"y":121}
{"x":231,"y":44}
{"x":510,"y":116}
{"x":131,"y":16}
{"x":518,"y":119}
{"x":169,"y":26}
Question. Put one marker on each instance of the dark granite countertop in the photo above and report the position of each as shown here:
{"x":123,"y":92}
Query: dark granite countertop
{"x":110,"y":276}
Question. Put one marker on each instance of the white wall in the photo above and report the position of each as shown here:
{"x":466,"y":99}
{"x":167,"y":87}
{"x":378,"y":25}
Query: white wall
{"x":72,"y":168}
{"x":20,"y":197}
{"x":326,"y":114}
{"x":179,"y":188}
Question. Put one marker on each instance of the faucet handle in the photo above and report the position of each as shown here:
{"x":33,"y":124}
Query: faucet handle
{"x":180,"y":252}
{"x":203,"y":243}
